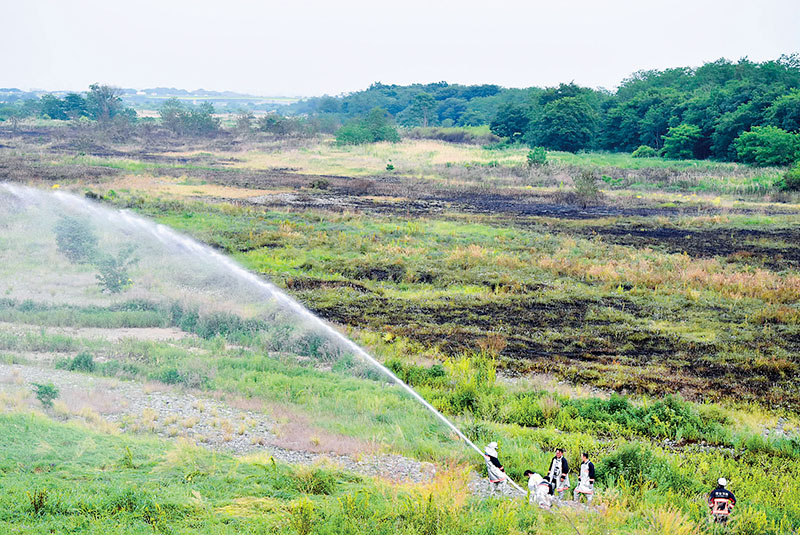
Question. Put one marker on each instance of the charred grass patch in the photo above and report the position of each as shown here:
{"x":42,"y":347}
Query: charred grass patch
{"x":621,"y":316}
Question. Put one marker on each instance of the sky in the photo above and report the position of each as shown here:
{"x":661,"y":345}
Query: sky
{"x":307,"y":48}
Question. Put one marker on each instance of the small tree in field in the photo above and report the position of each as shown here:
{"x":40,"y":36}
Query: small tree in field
{"x":537,"y":157}
{"x":113,"y":276}
{"x":791,"y":179}
{"x":76,"y":239}
{"x":376,"y":126}
{"x":45,"y":393}
{"x":586,"y":188}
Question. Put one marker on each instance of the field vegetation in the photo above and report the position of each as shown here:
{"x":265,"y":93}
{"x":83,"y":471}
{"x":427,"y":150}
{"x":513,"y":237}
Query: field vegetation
{"x":638,"y":308}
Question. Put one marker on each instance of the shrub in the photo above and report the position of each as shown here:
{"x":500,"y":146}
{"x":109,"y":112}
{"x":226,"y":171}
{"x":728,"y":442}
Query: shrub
{"x":767,"y":145}
{"x":537,"y":157}
{"x":749,"y":521}
{"x":645,"y":151}
{"x":320,"y":183}
{"x":586,"y":188}
{"x":196,"y":121}
{"x":302,"y":519}
{"x":83,"y":362}
{"x":631,"y":463}
{"x":526,"y":410}
{"x":634,"y":463}
{"x":76,"y":240}
{"x":169,"y":376}
{"x":45,"y":393}
{"x":310,"y":480}
{"x":376,"y":126}
{"x":791,"y":179}
{"x":113,"y":276}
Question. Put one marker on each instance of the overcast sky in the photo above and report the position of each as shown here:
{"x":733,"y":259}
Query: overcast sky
{"x":303,"y":47}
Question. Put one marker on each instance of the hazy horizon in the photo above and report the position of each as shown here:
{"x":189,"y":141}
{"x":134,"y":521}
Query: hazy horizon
{"x":312,"y":48}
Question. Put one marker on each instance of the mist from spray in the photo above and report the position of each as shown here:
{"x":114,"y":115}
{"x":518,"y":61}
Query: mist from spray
{"x":215,"y":263}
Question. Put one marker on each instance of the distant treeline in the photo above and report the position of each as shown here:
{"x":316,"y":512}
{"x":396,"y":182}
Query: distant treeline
{"x":101,"y":103}
{"x":681,"y":112}
{"x":723,"y":110}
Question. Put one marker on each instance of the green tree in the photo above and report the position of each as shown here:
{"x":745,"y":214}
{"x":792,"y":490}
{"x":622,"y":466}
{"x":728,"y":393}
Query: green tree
{"x":198,"y":121}
{"x":104,"y":102}
{"x":768,"y":145}
{"x":53,"y":107}
{"x":537,"y":157}
{"x":113,"y":270}
{"x":568,"y":124}
{"x":376,"y":126}
{"x":45,"y":393}
{"x":785,"y":112}
{"x":510,"y":122}
{"x":76,"y":239}
{"x":75,"y":106}
{"x":420,"y":111}
{"x":680,"y":142}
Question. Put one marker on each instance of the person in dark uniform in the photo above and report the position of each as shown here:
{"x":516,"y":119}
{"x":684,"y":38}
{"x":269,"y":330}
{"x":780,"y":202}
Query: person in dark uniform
{"x":721,"y":501}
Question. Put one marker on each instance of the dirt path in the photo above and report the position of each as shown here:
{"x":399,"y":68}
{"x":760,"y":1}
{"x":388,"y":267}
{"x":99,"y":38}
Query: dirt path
{"x":150,"y":334}
{"x":171,"y":413}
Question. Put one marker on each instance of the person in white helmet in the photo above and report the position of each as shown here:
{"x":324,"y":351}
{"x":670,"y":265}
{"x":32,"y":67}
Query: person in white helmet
{"x":721,"y":501}
{"x":495,"y":470}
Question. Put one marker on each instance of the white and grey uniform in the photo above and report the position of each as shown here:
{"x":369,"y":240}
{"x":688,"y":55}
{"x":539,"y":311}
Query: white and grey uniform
{"x":558,"y":468}
{"x":494,"y":469}
{"x":539,"y":490}
{"x":585,"y":481}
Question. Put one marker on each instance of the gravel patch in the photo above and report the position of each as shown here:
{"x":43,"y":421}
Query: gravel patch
{"x":171,"y":413}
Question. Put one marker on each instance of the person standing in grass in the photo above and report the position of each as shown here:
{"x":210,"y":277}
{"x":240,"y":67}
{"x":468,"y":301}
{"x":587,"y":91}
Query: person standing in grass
{"x":721,"y":501}
{"x":559,"y":474}
{"x":585,"y":479}
{"x":494,"y":469}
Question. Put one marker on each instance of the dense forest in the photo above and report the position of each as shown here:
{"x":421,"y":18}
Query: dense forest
{"x":680,"y":112}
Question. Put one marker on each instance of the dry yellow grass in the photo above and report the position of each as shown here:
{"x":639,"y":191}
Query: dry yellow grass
{"x":171,"y":186}
{"x":325,"y":157}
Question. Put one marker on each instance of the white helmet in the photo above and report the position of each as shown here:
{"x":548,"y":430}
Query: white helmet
{"x":491,"y":449}
{"x":722,"y":482}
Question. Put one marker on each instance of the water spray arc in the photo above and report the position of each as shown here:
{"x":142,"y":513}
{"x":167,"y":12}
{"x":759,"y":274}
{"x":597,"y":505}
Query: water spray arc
{"x":170,"y":237}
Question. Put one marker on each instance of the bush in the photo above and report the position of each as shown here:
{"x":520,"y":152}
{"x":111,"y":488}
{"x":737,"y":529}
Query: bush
{"x":767,"y":145}
{"x":113,"y":276}
{"x":376,"y":126}
{"x":791,"y":179}
{"x":586,"y":188}
{"x":634,"y":464}
{"x":537,"y":157}
{"x":170,"y":376}
{"x":749,"y":521}
{"x":76,"y":240}
{"x":302,"y":516}
{"x":645,"y":151}
{"x":45,"y":393}
{"x":83,"y":362}
{"x":196,"y":121}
